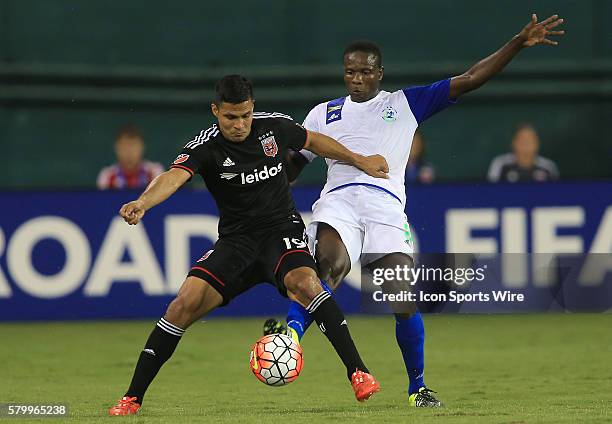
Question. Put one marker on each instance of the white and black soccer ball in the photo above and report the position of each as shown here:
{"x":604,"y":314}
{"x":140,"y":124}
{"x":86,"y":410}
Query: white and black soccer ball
{"x":276,"y":359}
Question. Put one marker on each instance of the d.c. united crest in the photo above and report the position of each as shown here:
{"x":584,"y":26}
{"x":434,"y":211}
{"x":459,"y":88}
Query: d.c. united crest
{"x":269,"y":146}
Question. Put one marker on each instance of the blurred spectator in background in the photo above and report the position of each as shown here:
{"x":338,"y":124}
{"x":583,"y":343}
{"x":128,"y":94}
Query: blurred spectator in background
{"x":417,"y":170}
{"x":131,"y":171}
{"x":523,"y":164}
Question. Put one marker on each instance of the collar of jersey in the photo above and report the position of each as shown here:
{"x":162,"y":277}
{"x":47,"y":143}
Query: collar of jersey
{"x":366,"y":103}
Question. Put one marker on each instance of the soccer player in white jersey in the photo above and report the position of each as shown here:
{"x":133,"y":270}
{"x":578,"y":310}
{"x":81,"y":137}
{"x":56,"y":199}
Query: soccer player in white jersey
{"x":359,"y":218}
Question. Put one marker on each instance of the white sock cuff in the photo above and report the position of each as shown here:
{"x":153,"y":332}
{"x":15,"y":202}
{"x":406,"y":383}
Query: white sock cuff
{"x":170,"y":328}
{"x":316,"y":302}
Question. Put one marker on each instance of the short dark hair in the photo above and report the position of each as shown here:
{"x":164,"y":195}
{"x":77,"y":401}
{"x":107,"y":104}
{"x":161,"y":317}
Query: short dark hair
{"x":524,"y":126}
{"x":233,"y":89}
{"x":129,"y":131}
{"x":364,"y":46}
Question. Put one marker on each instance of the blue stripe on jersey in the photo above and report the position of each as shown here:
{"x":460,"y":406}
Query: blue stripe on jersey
{"x":427,"y":100}
{"x":334,"y":110}
{"x":364,"y":184}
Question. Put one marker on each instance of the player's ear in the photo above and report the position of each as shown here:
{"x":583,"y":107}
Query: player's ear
{"x":215,"y":109}
{"x":382,"y":72}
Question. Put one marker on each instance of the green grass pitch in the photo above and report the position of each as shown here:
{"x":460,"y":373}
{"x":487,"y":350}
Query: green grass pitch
{"x":554,"y":368}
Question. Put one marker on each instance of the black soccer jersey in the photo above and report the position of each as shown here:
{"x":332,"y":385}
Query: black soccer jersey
{"x":505,"y":168}
{"x":246,"y":179}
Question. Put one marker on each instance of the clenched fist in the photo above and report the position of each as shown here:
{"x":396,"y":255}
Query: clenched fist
{"x":132,"y":212}
{"x":375,"y":166}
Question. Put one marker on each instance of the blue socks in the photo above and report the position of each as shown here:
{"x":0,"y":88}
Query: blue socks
{"x":298,"y":317}
{"x":410,"y":335}
{"x":409,"y":332}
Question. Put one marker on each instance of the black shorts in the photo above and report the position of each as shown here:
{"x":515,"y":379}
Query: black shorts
{"x":238,"y":262}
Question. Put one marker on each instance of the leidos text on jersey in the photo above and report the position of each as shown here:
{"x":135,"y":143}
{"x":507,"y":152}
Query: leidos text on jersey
{"x":264,"y":174}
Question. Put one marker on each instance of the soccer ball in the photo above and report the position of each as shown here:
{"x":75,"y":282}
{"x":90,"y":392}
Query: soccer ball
{"x":276,"y":359}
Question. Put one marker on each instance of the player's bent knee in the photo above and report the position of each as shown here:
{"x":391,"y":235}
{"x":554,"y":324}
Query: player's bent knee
{"x":332,"y":270}
{"x":302,"y":284}
{"x":189,"y":305}
{"x":182,"y":311}
{"x":333,"y":261}
{"x":195,"y":299}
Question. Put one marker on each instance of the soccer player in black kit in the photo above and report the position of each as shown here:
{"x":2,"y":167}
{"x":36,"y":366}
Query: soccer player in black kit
{"x":261,"y":234}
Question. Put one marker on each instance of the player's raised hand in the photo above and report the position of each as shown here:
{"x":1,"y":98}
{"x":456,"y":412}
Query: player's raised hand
{"x":538,"y":33}
{"x":375,"y":166}
{"x":132,"y":212}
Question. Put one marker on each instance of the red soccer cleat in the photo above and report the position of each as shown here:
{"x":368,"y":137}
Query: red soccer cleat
{"x":364,"y":385}
{"x":125,"y":406}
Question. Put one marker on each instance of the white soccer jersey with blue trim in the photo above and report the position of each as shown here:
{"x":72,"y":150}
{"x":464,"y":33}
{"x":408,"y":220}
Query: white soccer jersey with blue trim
{"x":384,"y":125}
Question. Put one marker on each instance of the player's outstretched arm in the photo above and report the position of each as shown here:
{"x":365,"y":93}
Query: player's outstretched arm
{"x":327,"y":147}
{"x":532,"y":34}
{"x":162,"y":187}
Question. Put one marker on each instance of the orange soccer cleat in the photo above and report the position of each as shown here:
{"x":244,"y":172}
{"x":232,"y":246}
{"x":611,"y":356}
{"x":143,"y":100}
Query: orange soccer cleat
{"x":125,"y":406}
{"x":364,"y":385}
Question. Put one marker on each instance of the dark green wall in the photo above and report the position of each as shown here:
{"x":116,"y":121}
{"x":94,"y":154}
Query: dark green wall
{"x":207,"y":33}
{"x":71,"y":72}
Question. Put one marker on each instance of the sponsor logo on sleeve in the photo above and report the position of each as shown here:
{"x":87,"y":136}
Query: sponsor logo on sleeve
{"x":334,"y":110}
{"x":206,"y":255}
{"x":180,"y":158}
